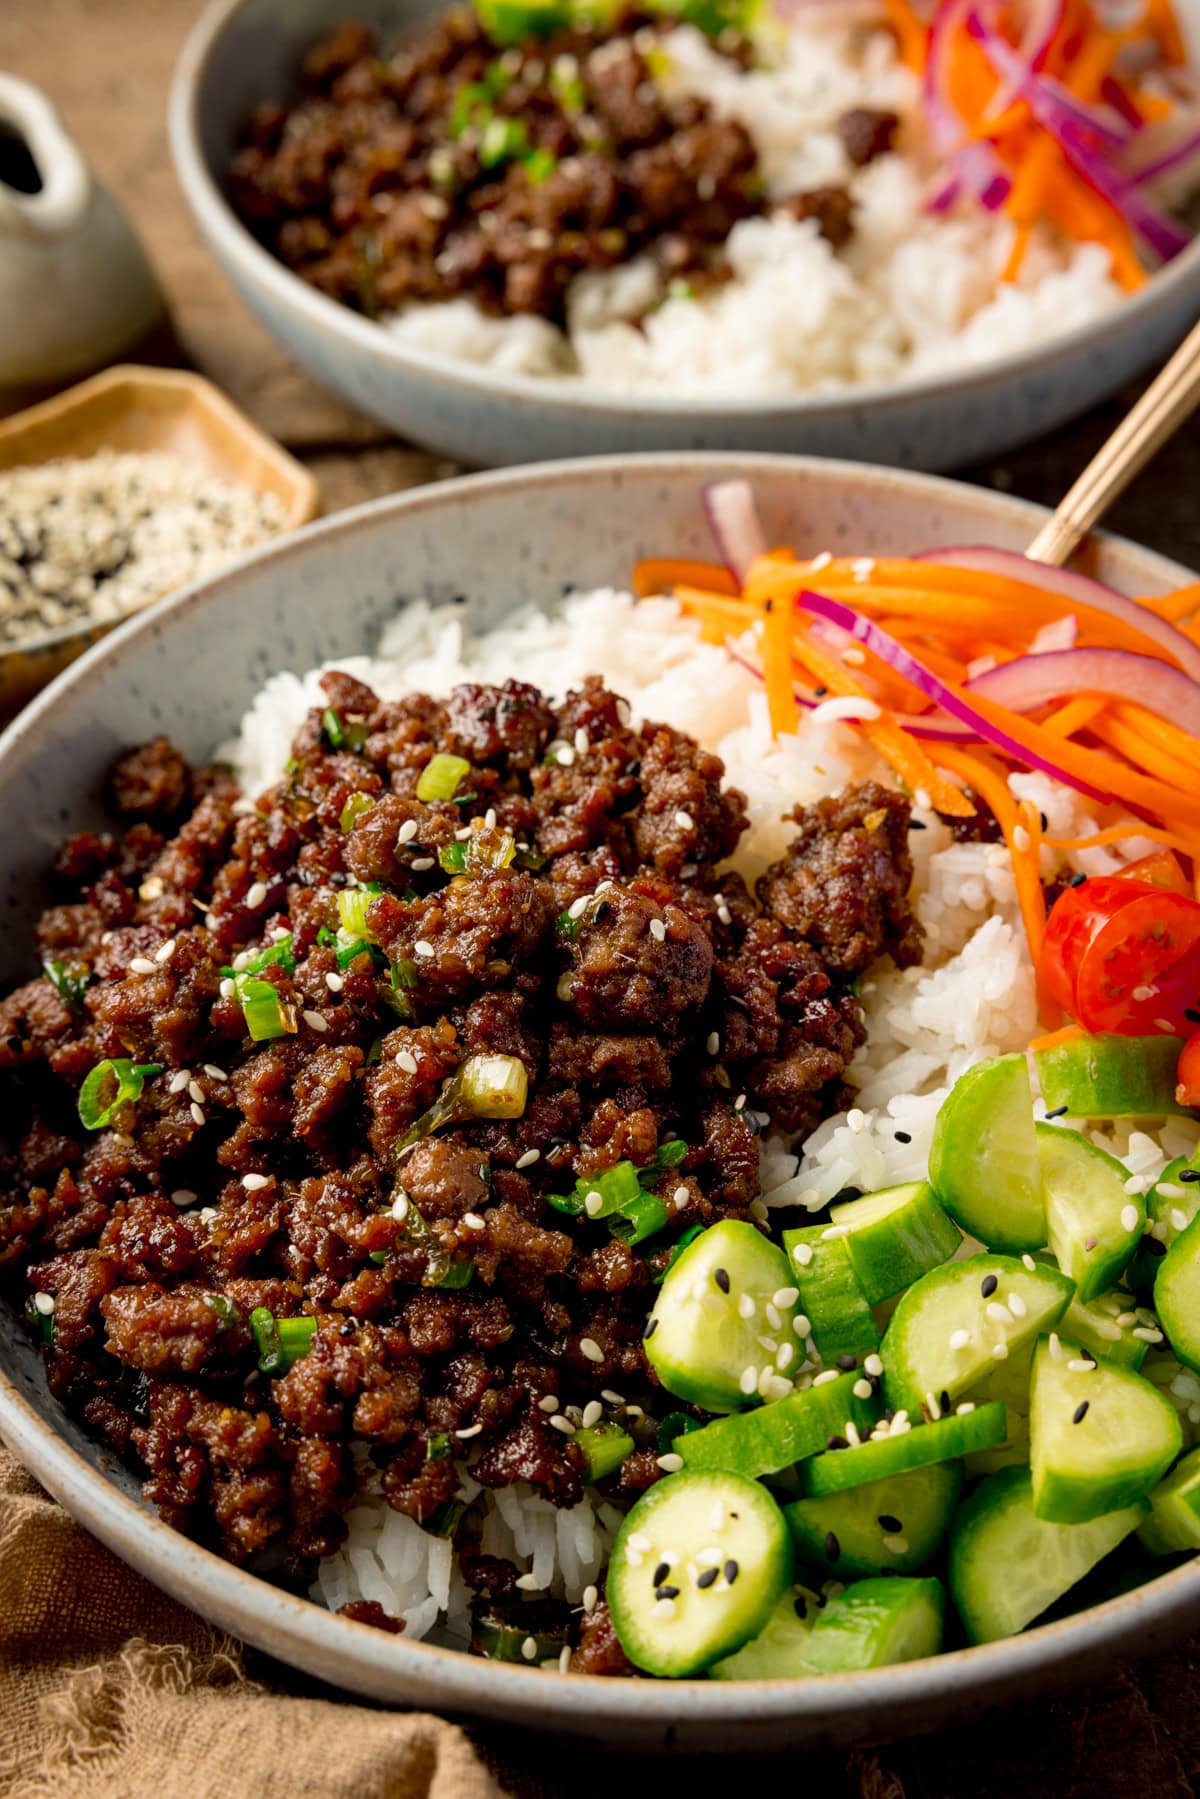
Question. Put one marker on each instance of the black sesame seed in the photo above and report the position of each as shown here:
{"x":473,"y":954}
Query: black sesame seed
{"x":988,"y":1285}
{"x":1089,"y":1243}
{"x":666,"y":1593}
{"x":1058,"y":1112}
{"x":1081,"y":1411}
{"x":903,"y":1136}
{"x":1077,"y":880}
{"x":837,"y":1443}
{"x":847,"y":1362}
{"x":650,"y":1330}
{"x":706,"y":1579}
{"x":944,"y":1400}
{"x":820,"y":692}
{"x":892,"y":1525}
{"x":1045,"y":821}
{"x":917,"y":824}
{"x":731,"y":1571}
{"x":721,"y":1276}
{"x":832,"y":1547}
{"x":660,"y":1574}
{"x":888,"y":1414}
{"x":1191,"y":1014}
{"x":822,"y":1601}
{"x":1188,"y":1174}
{"x":800,"y":1606}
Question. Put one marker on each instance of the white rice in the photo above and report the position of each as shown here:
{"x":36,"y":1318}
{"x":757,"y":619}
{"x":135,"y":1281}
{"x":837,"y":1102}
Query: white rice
{"x":911,"y":295}
{"x":973,"y":996}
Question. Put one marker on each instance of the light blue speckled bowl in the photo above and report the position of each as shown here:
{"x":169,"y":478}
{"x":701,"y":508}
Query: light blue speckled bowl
{"x":189,"y":668}
{"x":244,"y":50}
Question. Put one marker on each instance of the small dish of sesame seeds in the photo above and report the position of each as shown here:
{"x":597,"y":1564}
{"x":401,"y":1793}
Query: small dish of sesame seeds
{"x":118,"y":492}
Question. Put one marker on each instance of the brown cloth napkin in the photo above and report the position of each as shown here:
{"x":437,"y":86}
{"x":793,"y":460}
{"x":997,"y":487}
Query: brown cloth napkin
{"x":109,"y":1690}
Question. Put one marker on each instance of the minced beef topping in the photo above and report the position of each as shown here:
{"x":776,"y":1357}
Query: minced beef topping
{"x":590,"y":935}
{"x":451,"y":166}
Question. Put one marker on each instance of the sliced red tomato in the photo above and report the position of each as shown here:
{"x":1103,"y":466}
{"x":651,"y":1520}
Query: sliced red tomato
{"x":1162,"y":868}
{"x":1187,"y":1092}
{"x":1124,"y":956}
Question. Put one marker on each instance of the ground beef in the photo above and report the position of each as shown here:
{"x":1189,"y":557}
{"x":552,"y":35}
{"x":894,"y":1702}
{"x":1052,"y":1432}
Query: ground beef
{"x":866,"y":133}
{"x":450,"y":166}
{"x":439,"y":1305}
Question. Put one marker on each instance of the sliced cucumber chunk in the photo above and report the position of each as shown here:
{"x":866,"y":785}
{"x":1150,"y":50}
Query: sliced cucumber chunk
{"x":1101,"y":1437}
{"x":958,"y":1321}
{"x":1094,"y":1327}
{"x":1172,"y":1203}
{"x":1007,"y":1385}
{"x":831,"y":1294}
{"x":889,"y":1526}
{"x":984,"y":1160}
{"x":1093,"y":1224}
{"x":878,"y":1622}
{"x":1110,"y":1077}
{"x":896,"y":1236}
{"x":712,"y":1313}
{"x":1174,"y":1521}
{"x":778,"y":1651}
{"x":696,"y":1571}
{"x":944,"y":1440}
{"x":1177,"y":1294}
{"x":780,"y":1434}
{"x":1007,"y":1566}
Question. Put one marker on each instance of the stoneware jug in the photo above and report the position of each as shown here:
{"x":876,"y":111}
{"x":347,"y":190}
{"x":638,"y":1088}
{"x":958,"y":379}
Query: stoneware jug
{"x":76,"y":287}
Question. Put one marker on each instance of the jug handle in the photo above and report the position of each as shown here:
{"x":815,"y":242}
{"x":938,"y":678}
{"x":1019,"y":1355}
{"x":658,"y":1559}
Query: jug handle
{"x":63,"y":198}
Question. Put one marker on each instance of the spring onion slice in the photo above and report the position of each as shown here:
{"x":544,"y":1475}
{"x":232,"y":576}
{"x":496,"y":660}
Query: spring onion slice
{"x":453,"y":858}
{"x":441,"y":777}
{"x":110,"y":1084}
{"x":227,"y":1313}
{"x":342,"y":736}
{"x":437,"y":1446}
{"x":280,"y":954}
{"x":486,"y":1086}
{"x":266,"y":1012}
{"x":457,"y":1275}
{"x":42,"y":1322}
{"x":353,"y":810}
{"x":69,"y":980}
{"x":281,"y":1341}
{"x":353,"y":904}
{"x":639,"y":1218}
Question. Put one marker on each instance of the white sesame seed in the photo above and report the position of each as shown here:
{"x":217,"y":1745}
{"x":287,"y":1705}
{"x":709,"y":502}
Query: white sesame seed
{"x":256,"y":895}
{"x":712,"y":1043}
{"x":998,"y":1313}
{"x":589,"y":1347}
{"x":183,"y":1196}
{"x":634,"y":1411}
{"x":165,"y":951}
{"x":856,"y":1118}
{"x":400,"y":1207}
{"x":834,"y":1231}
{"x":583,"y":742}
{"x":862,"y":1389}
{"x":1135,"y":1186}
{"x":141,"y":965}
{"x":178,"y":1081}
{"x":900,"y":1417}
{"x":1147,"y":1333}
{"x":748,"y":1379}
{"x":641,"y":1542}
{"x":785,"y":1355}
{"x":528,"y":1159}
{"x":724,"y":914}
{"x":548,"y":1403}
{"x":559,"y":1423}
{"x":685,"y":821}
{"x":1016,"y":1305}
{"x":1029,"y":1262}
{"x":473,"y":1221}
{"x":851,"y":1432}
{"x":680,"y":1198}
{"x":241,"y":959}
{"x":406,"y":1060}
{"x":529,"y":1649}
{"x":895,"y":1545}
{"x":822,"y":1380}
{"x":959,"y":1339}
{"x":593,"y":1411}
{"x":1130,"y":1218}
{"x":1179,"y":1218}
{"x":663,"y":1608}
{"x":933,"y":1406}
{"x":207,"y":1214}
{"x":739,"y":1102}
{"x":43,"y":1304}
{"x":420,"y":863}
{"x":1056,"y":1348}
{"x":315,"y":1022}
{"x":658,"y":930}
{"x":873,"y":1365}
{"x":961,"y":1411}
{"x":610,"y":1397}
{"x":802,"y":1254}
{"x":227,"y":988}
{"x":335,"y":982}
{"x":1078,"y":1366}
{"x":802,"y":1325}
{"x":421,"y":948}
{"x":564,"y":1659}
{"x":590,"y":1597}
{"x":196,"y":1092}
{"x":593,"y":1204}
{"x":254,"y":1183}
{"x":745,"y":1306}
{"x":407,"y":831}
{"x":197,"y":1113}
{"x":670,"y":1463}
{"x":785,"y":1296}
{"x":772,"y":1316}
{"x":1000,"y":1352}
{"x":151,"y":889}
{"x":528,"y":1583}
{"x":472,"y":1430}
{"x":215,"y":1074}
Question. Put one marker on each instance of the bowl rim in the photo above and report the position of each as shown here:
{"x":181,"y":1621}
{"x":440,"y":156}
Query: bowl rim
{"x":353,"y":332}
{"x":291,"y":1627}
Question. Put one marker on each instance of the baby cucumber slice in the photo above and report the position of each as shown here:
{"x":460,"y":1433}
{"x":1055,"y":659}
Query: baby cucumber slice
{"x":1100,"y":1436}
{"x":1177,"y":1294}
{"x":1094,"y":1327}
{"x":696,"y":1571}
{"x":831,"y":1294}
{"x":1110,"y":1077}
{"x":711,"y":1316}
{"x":875,"y":1623}
{"x":1007,"y":1385}
{"x":777,"y":1652}
{"x":958,"y":1321}
{"x":942,"y":1441}
{"x":896,"y":1236}
{"x":984,"y":1160}
{"x":1007,"y":1566}
{"x":1172,"y":1203}
{"x":780,"y":1434}
{"x":1174,"y":1521}
{"x":887,"y":1526}
{"x":1093,"y":1224}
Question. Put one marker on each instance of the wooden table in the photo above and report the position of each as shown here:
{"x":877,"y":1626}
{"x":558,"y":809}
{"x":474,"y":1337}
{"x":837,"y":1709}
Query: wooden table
{"x":107,"y":64}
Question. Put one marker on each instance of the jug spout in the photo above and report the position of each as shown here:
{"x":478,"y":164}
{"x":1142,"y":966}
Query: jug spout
{"x":45,"y":186}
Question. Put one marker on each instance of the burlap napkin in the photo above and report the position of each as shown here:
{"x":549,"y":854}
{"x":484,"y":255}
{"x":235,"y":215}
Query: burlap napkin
{"x":109,"y":1690}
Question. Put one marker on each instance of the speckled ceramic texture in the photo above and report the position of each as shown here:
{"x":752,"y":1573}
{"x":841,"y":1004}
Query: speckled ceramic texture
{"x":189,"y":668}
{"x":244,"y":50}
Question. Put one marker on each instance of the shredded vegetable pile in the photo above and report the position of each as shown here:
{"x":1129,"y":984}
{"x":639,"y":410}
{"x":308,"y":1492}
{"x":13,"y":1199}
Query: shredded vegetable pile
{"x":1059,"y":112}
{"x":960,"y":664}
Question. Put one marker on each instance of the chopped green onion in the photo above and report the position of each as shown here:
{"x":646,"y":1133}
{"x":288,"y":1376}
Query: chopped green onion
{"x":348,"y":952}
{"x":639,"y":1218}
{"x":604,"y":1447}
{"x":352,"y":811}
{"x":457,"y":1275}
{"x":112,"y":1083}
{"x":437,"y":1446}
{"x":228,"y":1314}
{"x":446,"y":1520}
{"x":42,"y":1322}
{"x":689,"y":1236}
{"x":353,"y":904}
{"x":493,"y":1086}
{"x":334,"y":730}
{"x":499,"y":1642}
{"x":679,"y":289}
{"x":69,"y":980}
{"x":279,"y":954}
{"x":675,"y":1424}
{"x":404,"y":973}
{"x":374,"y":1052}
{"x":281,"y":1341}
{"x":567,"y":927}
{"x":569,"y":89}
{"x":485,"y":848}
{"x":396,"y":994}
{"x":502,"y":139}
{"x":441,"y":777}
{"x":453,"y":858}
{"x":472,"y":106}
{"x":266,"y":1012}
{"x":540,"y":165}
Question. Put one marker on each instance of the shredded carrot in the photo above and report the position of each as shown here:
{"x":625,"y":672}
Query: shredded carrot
{"x":1022,"y":832}
{"x":777,"y":668}
{"x":1075,"y":714}
{"x":1174,"y":606}
{"x":911,"y":32}
{"x":661,"y":574}
{"x":1055,"y":1039}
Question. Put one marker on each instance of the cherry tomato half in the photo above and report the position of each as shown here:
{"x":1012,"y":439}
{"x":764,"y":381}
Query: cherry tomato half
{"x":1123,"y":956}
{"x":1187,"y":1092}
{"x":1162,"y":868}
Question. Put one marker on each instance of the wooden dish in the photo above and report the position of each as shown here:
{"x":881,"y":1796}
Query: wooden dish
{"x":140,"y":409}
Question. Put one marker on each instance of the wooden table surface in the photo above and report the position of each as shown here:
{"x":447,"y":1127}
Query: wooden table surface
{"x":107,"y":64}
